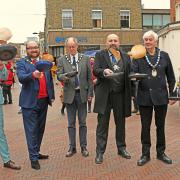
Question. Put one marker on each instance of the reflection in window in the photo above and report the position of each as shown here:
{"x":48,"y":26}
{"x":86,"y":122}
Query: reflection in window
{"x":125,"y":18}
{"x":97,"y":18}
{"x":67,"y":18}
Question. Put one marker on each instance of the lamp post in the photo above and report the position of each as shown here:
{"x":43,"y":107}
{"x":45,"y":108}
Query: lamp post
{"x":40,"y":40}
{"x":36,"y":33}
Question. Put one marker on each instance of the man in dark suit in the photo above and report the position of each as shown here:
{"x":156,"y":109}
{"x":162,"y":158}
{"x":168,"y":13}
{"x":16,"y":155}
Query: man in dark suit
{"x":112,"y":93}
{"x":153,"y":95}
{"x":77,"y":91}
{"x":36,"y":93}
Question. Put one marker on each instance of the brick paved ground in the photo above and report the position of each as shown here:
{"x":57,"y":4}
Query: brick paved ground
{"x":55,"y":144}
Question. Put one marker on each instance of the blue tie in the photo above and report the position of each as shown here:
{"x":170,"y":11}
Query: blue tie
{"x":113,"y":59}
{"x":75,"y":69}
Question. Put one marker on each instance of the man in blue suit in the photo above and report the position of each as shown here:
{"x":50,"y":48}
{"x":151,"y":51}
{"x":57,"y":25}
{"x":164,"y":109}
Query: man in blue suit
{"x":36,"y":93}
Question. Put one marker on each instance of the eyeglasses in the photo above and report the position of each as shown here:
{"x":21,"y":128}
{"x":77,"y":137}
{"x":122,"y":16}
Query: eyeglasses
{"x":32,"y":48}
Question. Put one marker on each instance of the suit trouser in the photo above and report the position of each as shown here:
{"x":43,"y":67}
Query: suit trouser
{"x":135,"y":103}
{"x":7,"y":94}
{"x":146,"y":113}
{"x":115,"y":102}
{"x":4,"y":150}
{"x":81,"y":109}
{"x":34,"y":120}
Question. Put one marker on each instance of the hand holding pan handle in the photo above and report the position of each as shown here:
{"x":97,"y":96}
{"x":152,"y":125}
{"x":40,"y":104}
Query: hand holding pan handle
{"x":137,"y":76}
{"x":71,"y":74}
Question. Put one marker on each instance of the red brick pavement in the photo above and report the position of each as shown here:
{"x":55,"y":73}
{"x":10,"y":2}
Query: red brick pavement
{"x":55,"y":143}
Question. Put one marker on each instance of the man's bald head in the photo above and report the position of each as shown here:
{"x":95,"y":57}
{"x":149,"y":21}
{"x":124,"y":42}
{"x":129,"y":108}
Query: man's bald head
{"x":112,"y":41}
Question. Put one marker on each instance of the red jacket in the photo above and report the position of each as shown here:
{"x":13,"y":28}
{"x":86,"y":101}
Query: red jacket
{"x":10,"y":79}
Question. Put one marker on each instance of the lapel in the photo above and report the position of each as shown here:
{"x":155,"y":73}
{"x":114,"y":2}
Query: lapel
{"x":68,"y":62}
{"x":80,"y":59}
{"x":29,"y":64}
{"x":107,"y":58}
{"x":123,"y":58}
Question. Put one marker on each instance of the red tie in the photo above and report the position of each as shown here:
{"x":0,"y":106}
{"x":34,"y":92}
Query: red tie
{"x":33,"y":61}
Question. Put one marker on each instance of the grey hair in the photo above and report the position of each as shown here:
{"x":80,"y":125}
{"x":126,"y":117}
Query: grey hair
{"x":150,"y":33}
{"x":73,"y":38}
{"x":27,"y":42}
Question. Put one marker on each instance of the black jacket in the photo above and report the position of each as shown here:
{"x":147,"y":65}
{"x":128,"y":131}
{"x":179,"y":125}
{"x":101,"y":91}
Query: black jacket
{"x":155,"y":90}
{"x":102,"y":88}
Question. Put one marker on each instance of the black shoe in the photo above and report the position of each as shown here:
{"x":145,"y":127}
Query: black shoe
{"x":124,"y":153}
{"x":20,"y":111}
{"x":164,"y":158}
{"x":71,"y":152}
{"x":10,"y":164}
{"x":35,"y":165}
{"x":5,"y":102}
{"x":43,"y":156}
{"x":10,"y":102}
{"x":99,"y":158}
{"x":84,"y":152}
{"x":143,"y":160}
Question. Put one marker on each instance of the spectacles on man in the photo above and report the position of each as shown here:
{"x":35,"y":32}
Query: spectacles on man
{"x":32,"y":48}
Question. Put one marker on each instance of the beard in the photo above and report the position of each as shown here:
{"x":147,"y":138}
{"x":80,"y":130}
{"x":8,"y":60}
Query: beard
{"x":114,"y":47}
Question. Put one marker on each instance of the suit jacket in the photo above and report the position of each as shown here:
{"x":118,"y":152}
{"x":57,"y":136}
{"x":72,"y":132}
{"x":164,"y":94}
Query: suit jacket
{"x":30,"y":85}
{"x":102,"y":87}
{"x":84,"y":76}
{"x":3,"y":77}
{"x":154,"y":90}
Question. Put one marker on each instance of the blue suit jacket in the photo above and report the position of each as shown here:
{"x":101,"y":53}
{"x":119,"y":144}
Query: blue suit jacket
{"x":30,"y":85}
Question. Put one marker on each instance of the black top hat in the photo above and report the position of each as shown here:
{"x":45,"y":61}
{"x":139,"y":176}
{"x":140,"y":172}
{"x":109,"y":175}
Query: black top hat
{"x":7,"y":52}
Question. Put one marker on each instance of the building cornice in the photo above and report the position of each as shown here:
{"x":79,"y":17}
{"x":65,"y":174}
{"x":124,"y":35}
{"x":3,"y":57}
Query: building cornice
{"x":91,"y":30}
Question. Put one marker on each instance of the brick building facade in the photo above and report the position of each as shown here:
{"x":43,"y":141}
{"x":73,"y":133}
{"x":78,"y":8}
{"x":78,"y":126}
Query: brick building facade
{"x":90,"y":22}
{"x":175,"y":7}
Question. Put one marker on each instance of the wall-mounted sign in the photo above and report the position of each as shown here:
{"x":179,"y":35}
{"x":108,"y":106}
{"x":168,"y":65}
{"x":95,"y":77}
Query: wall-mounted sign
{"x":59,"y":39}
{"x":81,"y":39}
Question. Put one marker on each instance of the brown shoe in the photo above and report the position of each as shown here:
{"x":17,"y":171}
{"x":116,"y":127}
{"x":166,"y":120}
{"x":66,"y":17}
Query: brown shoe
{"x":43,"y":156}
{"x":10,"y":164}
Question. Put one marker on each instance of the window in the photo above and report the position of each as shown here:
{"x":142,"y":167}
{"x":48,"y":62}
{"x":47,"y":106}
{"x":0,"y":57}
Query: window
{"x":157,"y":21}
{"x":97,"y":18}
{"x":58,"y":51}
{"x":125,"y":18}
{"x":147,"y":21}
{"x":178,"y":12}
{"x":166,"y":19}
{"x":67,"y":18}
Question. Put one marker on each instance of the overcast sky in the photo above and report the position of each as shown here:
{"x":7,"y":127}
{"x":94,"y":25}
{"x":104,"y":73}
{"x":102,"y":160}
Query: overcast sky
{"x":23,"y":17}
